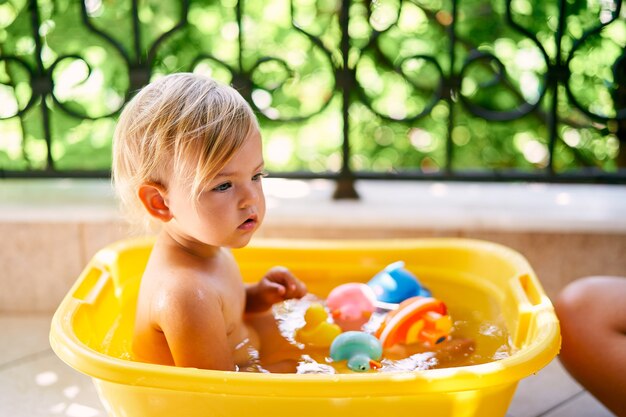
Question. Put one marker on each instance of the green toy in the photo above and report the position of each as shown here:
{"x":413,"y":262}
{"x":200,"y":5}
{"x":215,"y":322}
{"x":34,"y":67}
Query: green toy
{"x":361,"y":350}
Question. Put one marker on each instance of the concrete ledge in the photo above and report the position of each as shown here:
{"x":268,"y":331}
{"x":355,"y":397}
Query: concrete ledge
{"x":443,"y":206}
{"x":452,"y":206}
{"x":52,"y":227}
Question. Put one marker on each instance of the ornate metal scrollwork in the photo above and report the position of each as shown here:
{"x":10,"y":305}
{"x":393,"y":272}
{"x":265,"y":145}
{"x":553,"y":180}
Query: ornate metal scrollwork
{"x":342,"y":57}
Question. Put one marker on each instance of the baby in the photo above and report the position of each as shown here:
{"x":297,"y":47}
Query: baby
{"x":187,"y":152}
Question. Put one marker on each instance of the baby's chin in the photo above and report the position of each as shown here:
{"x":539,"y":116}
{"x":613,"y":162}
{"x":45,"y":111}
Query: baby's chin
{"x":240,"y":243}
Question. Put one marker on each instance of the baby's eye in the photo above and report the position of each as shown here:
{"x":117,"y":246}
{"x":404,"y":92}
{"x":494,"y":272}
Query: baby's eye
{"x":259,"y":176}
{"x":223,"y":187}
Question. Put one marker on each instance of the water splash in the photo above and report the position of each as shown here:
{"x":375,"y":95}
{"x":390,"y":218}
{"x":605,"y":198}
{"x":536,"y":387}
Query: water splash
{"x":416,"y":362}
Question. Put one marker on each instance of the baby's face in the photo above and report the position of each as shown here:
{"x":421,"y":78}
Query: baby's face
{"x":232,"y":206}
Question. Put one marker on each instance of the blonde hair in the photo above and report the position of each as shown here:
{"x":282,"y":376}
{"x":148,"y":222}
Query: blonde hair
{"x":182,"y":125}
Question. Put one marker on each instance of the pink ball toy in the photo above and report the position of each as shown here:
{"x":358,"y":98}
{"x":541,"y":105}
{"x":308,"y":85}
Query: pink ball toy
{"x":351,"y":305}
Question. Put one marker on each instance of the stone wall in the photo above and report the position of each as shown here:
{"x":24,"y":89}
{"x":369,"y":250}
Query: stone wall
{"x":49,"y":238}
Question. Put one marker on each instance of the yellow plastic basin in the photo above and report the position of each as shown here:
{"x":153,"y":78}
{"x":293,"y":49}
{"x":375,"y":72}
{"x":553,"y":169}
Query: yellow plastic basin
{"x":92,"y":328}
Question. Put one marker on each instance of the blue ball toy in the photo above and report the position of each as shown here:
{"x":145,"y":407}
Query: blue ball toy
{"x":395,"y":284}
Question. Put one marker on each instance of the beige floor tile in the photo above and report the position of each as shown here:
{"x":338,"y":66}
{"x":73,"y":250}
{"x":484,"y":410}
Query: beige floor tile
{"x":583,"y":405}
{"x":23,"y":336}
{"x":543,"y":391}
{"x":46,"y":387}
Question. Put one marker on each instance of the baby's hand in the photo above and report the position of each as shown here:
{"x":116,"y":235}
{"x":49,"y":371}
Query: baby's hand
{"x":277,"y":285}
{"x":281,"y":284}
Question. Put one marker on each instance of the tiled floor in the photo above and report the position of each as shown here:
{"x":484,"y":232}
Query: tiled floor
{"x":35,"y":383}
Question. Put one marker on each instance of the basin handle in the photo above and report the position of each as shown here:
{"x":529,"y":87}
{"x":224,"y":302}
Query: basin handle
{"x":94,"y":280}
{"x":531,"y":289}
{"x":528,"y":294}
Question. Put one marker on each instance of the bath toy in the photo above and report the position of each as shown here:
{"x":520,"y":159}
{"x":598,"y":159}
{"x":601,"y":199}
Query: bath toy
{"x":317,"y":331}
{"x":418,"y":319}
{"x":360,"y":349}
{"x":395,"y":284}
{"x":351,"y":305}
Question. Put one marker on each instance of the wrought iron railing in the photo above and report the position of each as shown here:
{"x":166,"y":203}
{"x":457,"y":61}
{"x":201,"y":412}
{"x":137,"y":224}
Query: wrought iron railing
{"x":524,"y":83}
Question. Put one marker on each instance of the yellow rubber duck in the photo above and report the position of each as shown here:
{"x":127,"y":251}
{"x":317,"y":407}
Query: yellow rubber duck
{"x":317,"y":331}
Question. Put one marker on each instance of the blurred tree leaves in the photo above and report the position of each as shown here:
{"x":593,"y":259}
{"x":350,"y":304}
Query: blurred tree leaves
{"x":400,"y":56}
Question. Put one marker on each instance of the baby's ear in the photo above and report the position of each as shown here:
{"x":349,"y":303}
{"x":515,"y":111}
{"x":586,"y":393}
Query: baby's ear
{"x":152,"y":196}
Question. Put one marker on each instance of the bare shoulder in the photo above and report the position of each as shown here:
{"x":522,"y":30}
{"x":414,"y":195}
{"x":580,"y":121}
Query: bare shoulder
{"x":191,"y":314}
{"x":186,"y":290}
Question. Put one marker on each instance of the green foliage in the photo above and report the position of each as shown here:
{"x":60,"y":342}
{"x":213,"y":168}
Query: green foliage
{"x":399,"y":55}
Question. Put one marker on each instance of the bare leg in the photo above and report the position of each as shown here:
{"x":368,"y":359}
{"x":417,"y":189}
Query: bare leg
{"x":277,"y":354}
{"x":592,"y":312}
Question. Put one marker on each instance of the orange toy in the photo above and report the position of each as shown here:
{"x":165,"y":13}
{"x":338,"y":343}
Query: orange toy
{"x":417,"y":319}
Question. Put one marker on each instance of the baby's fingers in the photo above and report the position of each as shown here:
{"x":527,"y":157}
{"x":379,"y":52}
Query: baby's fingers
{"x":275,"y":288}
{"x":294,"y":288}
{"x":299,"y":289}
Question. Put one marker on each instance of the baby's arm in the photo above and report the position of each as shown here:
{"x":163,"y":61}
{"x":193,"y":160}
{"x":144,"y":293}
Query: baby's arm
{"x":277,"y":285}
{"x":193,"y":323}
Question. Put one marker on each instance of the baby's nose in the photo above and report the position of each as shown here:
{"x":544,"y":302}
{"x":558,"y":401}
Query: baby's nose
{"x":249,"y":197}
